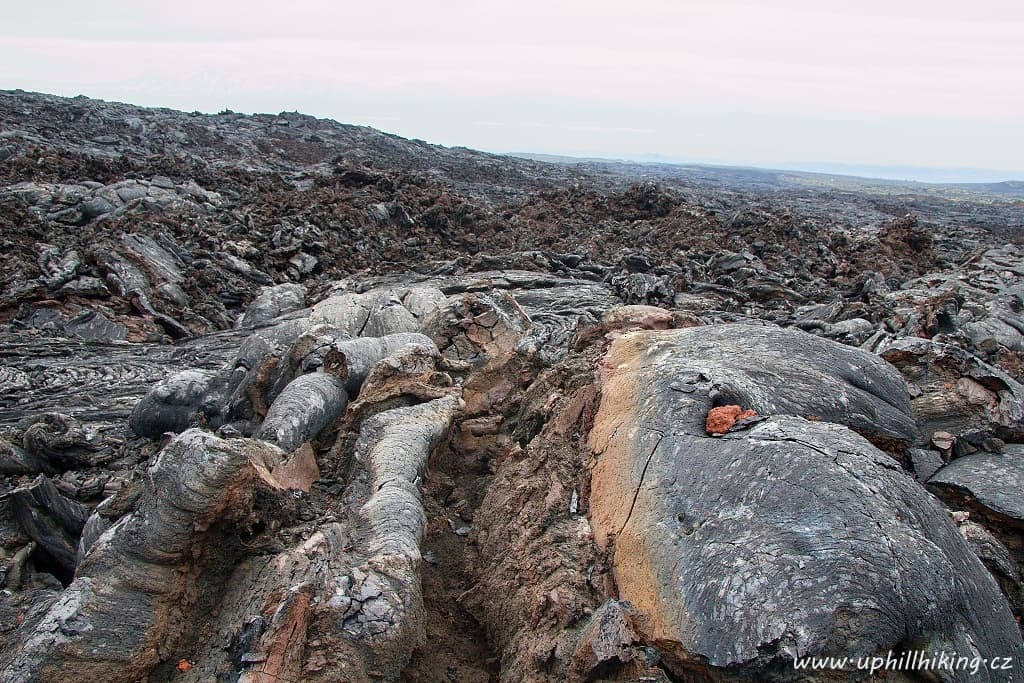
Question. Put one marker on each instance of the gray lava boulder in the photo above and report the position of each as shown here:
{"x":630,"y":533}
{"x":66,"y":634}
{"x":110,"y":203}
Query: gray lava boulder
{"x":954,"y":390}
{"x":272,"y":302}
{"x":307,"y":405}
{"x":993,"y":481}
{"x":786,"y":538}
{"x":358,"y":356}
{"x":183,"y":400}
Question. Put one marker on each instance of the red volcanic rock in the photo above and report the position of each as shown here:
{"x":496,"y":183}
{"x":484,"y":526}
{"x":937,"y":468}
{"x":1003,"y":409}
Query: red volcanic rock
{"x":720,"y":419}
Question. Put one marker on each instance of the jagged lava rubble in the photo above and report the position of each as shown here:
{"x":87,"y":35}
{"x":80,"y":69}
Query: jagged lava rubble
{"x":283,"y":399}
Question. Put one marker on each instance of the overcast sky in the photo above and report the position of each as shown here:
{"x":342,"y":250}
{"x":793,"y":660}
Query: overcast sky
{"x":869,"y":82}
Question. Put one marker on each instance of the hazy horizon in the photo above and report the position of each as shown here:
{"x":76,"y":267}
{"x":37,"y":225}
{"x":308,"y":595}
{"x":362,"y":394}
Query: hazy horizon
{"x":921,"y":174}
{"x":899,"y":85}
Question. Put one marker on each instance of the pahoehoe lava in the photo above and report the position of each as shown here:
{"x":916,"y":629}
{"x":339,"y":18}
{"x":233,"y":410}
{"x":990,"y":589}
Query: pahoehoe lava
{"x":283,"y":399}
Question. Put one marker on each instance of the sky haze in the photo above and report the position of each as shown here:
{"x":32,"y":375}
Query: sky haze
{"x":900,"y":83}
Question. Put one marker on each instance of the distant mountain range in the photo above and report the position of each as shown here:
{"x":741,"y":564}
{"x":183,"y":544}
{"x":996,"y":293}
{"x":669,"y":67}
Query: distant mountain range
{"x":989,"y":178}
{"x":884,"y":179}
{"x":945,"y":176}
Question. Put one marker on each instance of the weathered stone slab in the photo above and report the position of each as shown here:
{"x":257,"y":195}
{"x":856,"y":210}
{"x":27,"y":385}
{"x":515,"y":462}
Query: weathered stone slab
{"x":994,"y":480}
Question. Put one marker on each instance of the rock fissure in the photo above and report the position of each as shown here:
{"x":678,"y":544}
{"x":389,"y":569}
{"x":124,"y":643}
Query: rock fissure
{"x":639,"y":487}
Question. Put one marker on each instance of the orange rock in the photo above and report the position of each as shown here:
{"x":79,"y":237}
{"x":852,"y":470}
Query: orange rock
{"x":720,"y":419}
{"x":184,"y":665}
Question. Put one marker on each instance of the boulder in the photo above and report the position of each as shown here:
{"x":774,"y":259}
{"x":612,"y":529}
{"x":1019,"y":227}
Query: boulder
{"x":309,"y":404}
{"x":794,"y":537}
{"x":186,"y":399}
{"x":134,"y":589}
{"x":954,"y":390}
{"x":374,"y":314}
{"x":993,"y":481}
{"x":273,"y":302}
